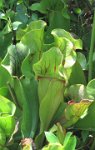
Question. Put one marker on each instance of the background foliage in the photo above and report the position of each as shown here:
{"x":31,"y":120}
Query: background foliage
{"x":47,"y":75}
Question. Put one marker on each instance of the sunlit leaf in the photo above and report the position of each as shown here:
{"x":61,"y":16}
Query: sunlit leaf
{"x":50,"y":88}
{"x":51,"y":138}
{"x":7,"y":110}
{"x":91,"y":89}
{"x":75,"y":111}
{"x":88,"y":122}
{"x":5,"y":76}
{"x":77,"y":43}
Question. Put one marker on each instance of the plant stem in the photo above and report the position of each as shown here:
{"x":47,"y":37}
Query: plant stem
{"x":90,"y":61}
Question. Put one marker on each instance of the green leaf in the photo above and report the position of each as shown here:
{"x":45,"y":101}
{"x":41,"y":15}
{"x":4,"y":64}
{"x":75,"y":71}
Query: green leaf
{"x":50,"y":87}
{"x":61,"y":132}
{"x":34,"y":17}
{"x":30,"y":107}
{"x":70,"y":60}
{"x":85,"y":135}
{"x":59,"y":112}
{"x":3,"y":16}
{"x":91,"y":89}
{"x":86,"y":40}
{"x":27,"y":98}
{"x":15,"y":85}
{"x":53,"y":96}
{"x":75,"y":111}
{"x":75,"y":74}
{"x":7,"y":29}
{"x":20,"y":33}
{"x":2,"y":138}
{"x":55,"y":146}
{"x":77,"y":92}
{"x":7,"y":110}
{"x":88,"y":122}
{"x":82,"y":60}
{"x":3,"y":91}
{"x":65,"y":12}
{"x":67,"y":138}
{"x":7,"y":123}
{"x":5,"y":41}
{"x":6,"y":106}
{"x":42,"y":7}
{"x":38,"y":7}
{"x":58,"y":20}
{"x":21,"y":13}
{"x":67,"y":44}
{"x":16,"y":54}
{"x":26,"y":67}
{"x":71,"y":143}
{"x":49,"y":65}
{"x":64,"y":44}
{"x":47,"y":46}
{"x":1,"y":4}
{"x":61,"y":33}
{"x":27,"y":147}
{"x":5,"y":77}
{"x":16,"y":25}
{"x":35,"y":30}
{"x":38,"y":26}
{"x":51,"y":138}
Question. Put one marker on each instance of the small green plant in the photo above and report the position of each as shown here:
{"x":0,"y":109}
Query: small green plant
{"x":62,"y":140}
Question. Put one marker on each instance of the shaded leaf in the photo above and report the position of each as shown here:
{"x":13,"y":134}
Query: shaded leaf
{"x":2,"y":138}
{"x":75,"y":74}
{"x":77,"y":92}
{"x":82,"y":60}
